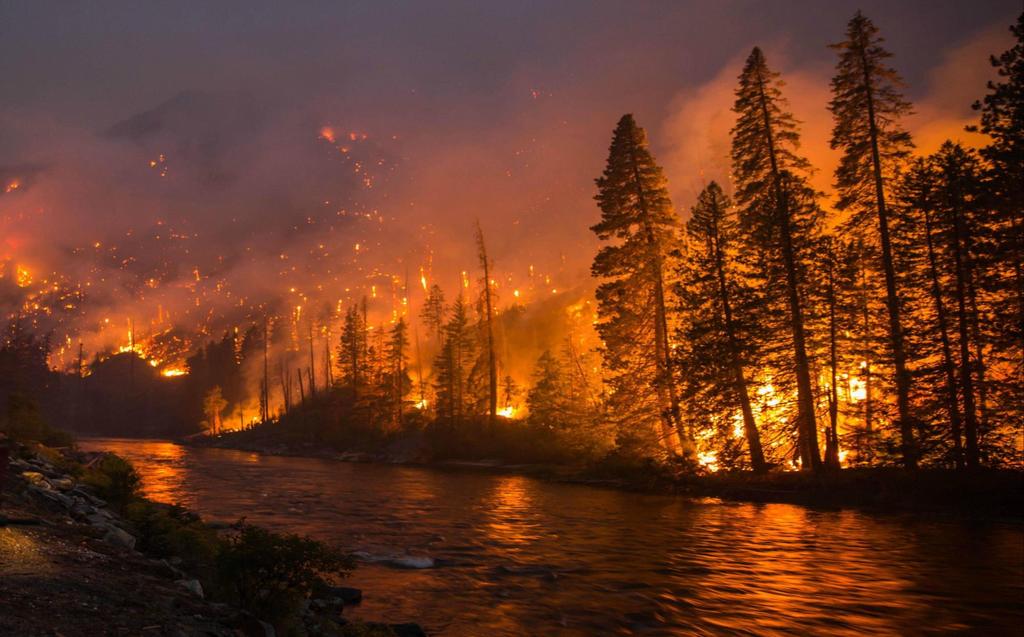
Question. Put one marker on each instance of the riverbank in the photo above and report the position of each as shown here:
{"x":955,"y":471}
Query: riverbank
{"x":72,"y":563}
{"x":984,"y":493}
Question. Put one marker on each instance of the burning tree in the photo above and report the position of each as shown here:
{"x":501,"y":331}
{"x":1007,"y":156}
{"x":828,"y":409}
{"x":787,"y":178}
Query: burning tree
{"x":719,"y":330}
{"x":1001,"y":261}
{"x":637,"y":214}
{"x":454,"y":365}
{"x":487,"y":323}
{"x":213,"y":408}
{"x":867,"y":106}
{"x":780,"y":218}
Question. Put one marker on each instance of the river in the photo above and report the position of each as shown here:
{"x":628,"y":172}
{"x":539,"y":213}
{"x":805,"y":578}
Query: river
{"x":466,"y":553}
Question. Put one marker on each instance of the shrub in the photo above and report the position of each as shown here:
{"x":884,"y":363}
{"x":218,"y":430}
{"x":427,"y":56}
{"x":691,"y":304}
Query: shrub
{"x":114,"y":479}
{"x":171,"y":530}
{"x":270,"y":574}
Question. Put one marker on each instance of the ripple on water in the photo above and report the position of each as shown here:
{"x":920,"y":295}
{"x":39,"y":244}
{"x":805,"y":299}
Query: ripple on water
{"x":509,"y":555}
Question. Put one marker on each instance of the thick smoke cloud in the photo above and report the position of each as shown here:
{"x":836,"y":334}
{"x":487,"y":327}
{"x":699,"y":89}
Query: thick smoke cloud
{"x":189,"y":169}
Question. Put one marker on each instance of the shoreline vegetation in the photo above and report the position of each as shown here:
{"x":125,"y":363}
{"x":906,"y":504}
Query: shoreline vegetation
{"x":82,"y":553}
{"x":985,"y":492}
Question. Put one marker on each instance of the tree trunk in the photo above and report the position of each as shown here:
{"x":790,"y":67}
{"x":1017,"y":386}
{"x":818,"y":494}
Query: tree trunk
{"x":736,"y":361}
{"x":807,"y":429}
{"x":312,"y":363}
{"x":266,"y":372}
{"x":284,"y":386}
{"x":892,"y":302}
{"x":663,"y":353}
{"x":869,"y":405}
{"x":979,"y":354}
{"x":966,"y":380}
{"x":492,"y":363}
{"x":832,"y":440}
{"x":949,"y":367}
{"x":328,"y":361}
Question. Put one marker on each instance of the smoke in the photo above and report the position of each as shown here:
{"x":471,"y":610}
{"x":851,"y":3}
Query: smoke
{"x":697,"y":128}
{"x":326,"y":160}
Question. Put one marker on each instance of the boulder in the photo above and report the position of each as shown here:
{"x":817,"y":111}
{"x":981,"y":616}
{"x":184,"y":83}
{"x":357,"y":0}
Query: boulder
{"x":97,"y":519}
{"x":62,"y":484}
{"x":119,"y":537}
{"x":248,"y":625}
{"x":53,"y":496}
{"x":93,"y":500}
{"x":36,"y":479}
{"x":346,"y":595}
{"x":191,"y":585}
{"x":82,"y":511}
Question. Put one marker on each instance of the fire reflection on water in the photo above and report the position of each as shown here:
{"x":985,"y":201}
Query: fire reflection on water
{"x":511,"y":523}
{"x":163,"y":472}
{"x":510,"y":555}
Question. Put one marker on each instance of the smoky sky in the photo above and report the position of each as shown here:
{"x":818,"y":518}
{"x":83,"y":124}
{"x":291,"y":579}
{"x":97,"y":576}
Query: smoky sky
{"x":188,"y":135}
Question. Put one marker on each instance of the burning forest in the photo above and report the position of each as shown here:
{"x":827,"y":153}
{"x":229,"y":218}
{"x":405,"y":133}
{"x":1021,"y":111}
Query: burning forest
{"x":767,"y":323}
{"x":582,"y":319}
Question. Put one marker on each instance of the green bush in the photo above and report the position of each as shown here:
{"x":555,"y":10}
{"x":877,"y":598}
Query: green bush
{"x":114,"y":479}
{"x":270,"y":574}
{"x":173,"y":531}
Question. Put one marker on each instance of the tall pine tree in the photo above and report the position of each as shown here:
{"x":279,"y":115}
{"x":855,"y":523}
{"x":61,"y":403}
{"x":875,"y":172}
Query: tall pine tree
{"x":717,"y":322}
{"x":866,"y":106}
{"x":638,"y":219}
{"x":454,"y":364}
{"x":780,"y":216}
{"x":1001,"y":264}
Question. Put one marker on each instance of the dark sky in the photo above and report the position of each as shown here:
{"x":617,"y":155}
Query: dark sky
{"x":497,"y":111}
{"x":89,"y":62}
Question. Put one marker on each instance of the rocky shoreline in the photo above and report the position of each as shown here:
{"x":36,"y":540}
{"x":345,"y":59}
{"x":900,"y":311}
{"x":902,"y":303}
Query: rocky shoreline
{"x":70,"y":564}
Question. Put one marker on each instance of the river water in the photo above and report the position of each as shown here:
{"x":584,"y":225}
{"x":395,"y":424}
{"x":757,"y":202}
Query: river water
{"x":467,"y":553}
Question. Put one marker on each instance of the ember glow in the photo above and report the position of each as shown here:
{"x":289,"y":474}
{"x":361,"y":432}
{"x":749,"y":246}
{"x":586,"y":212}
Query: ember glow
{"x":612,"y":293}
{"x":191,"y":214}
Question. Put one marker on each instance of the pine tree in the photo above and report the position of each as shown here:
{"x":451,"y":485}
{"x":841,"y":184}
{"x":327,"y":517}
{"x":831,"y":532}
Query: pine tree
{"x":780,"y":217}
{"x":958,"y":206}
{"x":509,"y":394}
{"x":545,"y":398}
{"x":715,"y":334}
{"x":867,"y":106}
{"x":398,"y":384}
{"x":352,"y":355}
{"x":433,"y":311}
{"x":454,"y":363}
{"x":559,"y":400}
{"x":637,"y":216}
{"x":931,"y":336}
{"x":213,"y":408}
{"x":1001,"y":263}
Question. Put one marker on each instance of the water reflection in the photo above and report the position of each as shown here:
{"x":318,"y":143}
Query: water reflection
{"x":510,"y":521}
{"x":160,"y":463}
{"x":514,"y":556}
